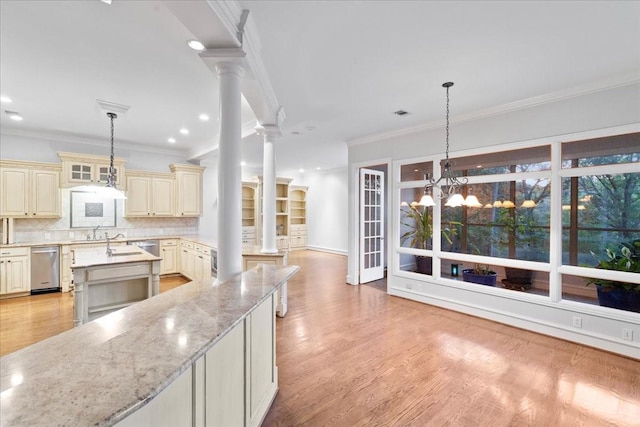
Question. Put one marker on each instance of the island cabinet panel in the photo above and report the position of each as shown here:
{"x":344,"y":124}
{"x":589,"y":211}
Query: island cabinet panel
{"x":262,"y":376}
{"x":172,"y":407}
{"x":225,"y":380}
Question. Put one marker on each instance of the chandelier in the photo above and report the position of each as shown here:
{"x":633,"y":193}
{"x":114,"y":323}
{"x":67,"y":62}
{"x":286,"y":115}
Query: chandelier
{"x":449,"y":184}
{"x":109,"y":191}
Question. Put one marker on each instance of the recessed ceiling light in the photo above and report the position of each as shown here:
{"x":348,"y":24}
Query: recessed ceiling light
{"x":5,"y":99}
{"x":106,"y":1}
{"x":203,"y":117}
{"x":301,"y":170}
{"x":196,"y":45}
{"x":400,"y":113}
{"x":14,"y":115}
{"x":171,"y":140}
{"x":243,"y":163}
{"x":318,"y":168}
{"x":184,"y":131}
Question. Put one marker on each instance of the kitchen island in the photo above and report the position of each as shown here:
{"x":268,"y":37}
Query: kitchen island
{"x":108,"y":282}
{"x":199,"y":354}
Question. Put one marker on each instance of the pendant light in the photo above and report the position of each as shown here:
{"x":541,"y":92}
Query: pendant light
{"x":109,"y":191}
{"x":448,"y":183}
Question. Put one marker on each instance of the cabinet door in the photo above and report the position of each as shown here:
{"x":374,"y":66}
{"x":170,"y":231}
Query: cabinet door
{"x":17,"y":274}
{"x":187,"y":263}
{"x":138,"y":201}
{"x":15,"y":192}
{"x":169,"y":260}
{"x":189,"y":194}
{"x":81,"y":173}
{"x":45,"y":193}
{"x":162,"y":199}
{"x":102,"y":174}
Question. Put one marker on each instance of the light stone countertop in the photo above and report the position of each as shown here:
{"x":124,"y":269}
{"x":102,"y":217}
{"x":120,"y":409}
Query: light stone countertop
{"x":121,"y":255}
{"x":202,"y":240}
{"x":100,"y":372}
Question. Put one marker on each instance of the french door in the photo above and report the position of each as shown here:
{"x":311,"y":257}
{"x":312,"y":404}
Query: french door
{"x":371,"y":225}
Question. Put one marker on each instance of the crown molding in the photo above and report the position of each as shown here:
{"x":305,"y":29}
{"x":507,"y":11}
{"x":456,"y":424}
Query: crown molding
{"x":561,"y":95}
{"x":229,"y":13}
{"x":87,"y":140}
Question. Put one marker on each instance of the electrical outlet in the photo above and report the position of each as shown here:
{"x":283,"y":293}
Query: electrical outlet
{"x":627,"y":334}
{"x":409,"y":286}
{"x":577,"y":322}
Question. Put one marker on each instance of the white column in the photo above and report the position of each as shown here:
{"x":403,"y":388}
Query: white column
{"x":229,"y":172}
{"x":269,"y":133}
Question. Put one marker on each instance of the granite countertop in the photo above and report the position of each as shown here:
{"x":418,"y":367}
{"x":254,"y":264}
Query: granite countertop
{"x":121,"y":255}
{"x":100,"y":372}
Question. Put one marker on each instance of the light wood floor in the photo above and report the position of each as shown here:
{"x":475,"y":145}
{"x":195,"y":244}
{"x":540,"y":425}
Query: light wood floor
{"x":354,"y":356}
{"x":27,"y":320}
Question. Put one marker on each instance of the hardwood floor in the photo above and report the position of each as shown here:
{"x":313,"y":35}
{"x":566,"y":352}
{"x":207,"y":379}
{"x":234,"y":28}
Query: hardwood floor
{"x":27,"y":320}
{"x":354,"y":356}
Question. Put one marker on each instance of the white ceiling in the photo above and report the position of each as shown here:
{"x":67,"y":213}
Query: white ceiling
{"x":339,"y":69}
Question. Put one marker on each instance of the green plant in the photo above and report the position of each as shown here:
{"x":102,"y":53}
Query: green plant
{"x":482,"y":269}
{"x":628,"y":259}
{"x":419,"y":225}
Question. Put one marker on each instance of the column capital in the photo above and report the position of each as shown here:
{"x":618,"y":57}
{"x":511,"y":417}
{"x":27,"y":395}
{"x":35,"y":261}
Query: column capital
{"x":269,"y":131}
{"x":229,"y":68}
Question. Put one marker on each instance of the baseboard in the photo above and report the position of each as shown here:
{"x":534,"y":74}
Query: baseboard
{"x":327,"y":250}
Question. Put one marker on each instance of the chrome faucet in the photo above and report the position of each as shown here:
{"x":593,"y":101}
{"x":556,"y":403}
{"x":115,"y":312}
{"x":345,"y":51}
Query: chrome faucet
{"x":94,"y":231}
{"x":109,"y":239}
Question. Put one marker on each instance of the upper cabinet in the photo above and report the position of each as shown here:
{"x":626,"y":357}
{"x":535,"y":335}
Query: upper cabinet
{"x":188,"y":189}
{"x":150,"y":194}
{"x":81,"y":169}
{"x":29,"y":189}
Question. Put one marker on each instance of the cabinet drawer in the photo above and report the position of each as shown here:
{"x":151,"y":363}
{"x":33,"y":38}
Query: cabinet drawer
{"x":168,"y":243}
{"x":14,"y":251}
{"x":186,"y":244}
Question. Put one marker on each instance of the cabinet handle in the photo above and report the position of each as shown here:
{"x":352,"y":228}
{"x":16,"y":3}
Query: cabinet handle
{"x":8,"y":260}
{"x":26,"y":213}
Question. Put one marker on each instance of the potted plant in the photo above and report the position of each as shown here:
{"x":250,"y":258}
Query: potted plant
{"x":620,"y":295}
{"x":480,"y":274}
{"x":419,"y":233}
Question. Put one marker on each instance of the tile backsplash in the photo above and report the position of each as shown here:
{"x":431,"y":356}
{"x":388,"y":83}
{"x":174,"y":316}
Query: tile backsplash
{"x":59,"y":229}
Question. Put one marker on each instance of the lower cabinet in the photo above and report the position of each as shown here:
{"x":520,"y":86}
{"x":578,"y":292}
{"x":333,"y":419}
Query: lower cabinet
{"x":15,"y":271}
{"x":169,"y":254}
{"x":233,"y":384}
{"x":195,"y":260}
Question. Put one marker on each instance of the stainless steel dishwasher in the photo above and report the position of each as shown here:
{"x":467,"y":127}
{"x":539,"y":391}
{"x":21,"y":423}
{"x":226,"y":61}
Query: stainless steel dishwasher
{"x":151,"y":246}
{"x":45,"y":269}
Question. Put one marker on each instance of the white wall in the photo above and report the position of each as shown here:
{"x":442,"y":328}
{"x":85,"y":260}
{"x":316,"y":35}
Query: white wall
{"x":326,"y":209}
{"x":589,"y":112}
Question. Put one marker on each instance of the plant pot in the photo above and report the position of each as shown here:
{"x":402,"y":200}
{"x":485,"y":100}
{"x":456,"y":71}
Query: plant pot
{"x":482,"y":279}
{"x":424,"y":264}
{"x":619,"y":298}
{"x":517,"y":278}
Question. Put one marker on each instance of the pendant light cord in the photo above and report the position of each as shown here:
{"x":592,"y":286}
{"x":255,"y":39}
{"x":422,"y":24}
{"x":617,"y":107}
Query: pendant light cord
{"x":111,"y":182}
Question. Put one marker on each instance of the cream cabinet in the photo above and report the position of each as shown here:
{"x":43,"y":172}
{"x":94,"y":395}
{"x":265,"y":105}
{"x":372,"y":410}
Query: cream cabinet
{"x":249,"y":213}
{"x":169,"y":253}
{"x":195,"y":260}
{"x":149,"y":195}
{"x":29,"y":190}
{"x":187,"y":259}
{"x":297,"y":217}
{"x":188,"y":189}
{"x":15,"y":271}
{"x":81,"y":169}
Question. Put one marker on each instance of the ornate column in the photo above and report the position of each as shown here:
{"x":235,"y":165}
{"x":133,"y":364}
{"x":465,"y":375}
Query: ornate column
{"x":269,"y":133}
{"x":229,"y":172}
